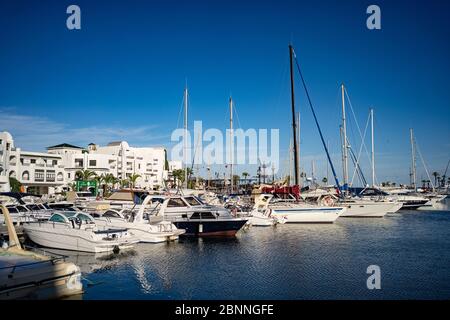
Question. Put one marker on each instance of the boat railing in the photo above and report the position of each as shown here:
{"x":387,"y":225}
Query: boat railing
{"x":54,"y":258}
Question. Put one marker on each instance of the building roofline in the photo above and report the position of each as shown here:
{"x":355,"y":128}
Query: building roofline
{"x":64,"y":146}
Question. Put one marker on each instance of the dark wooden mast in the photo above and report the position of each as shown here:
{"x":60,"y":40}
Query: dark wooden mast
{"x":294,"y":122}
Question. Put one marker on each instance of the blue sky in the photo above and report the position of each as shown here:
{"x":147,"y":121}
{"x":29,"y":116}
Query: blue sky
{"x":122,"y":75}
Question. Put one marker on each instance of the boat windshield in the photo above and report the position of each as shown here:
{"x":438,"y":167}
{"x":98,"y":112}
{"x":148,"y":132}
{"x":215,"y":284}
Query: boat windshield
{"x":176,"y":202}
{"x":57,"y":217}
{"x":192,"y":201}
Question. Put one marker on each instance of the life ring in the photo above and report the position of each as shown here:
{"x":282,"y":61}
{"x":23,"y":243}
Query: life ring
{"x":269,"y":212}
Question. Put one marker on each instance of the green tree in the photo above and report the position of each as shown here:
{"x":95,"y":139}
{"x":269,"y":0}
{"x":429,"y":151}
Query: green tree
{"x":132,"y":180}
{"x":14,"y":184}
{"x":435,"y":175}
{"x":124,"y":183}
{"x":85,"y":175}
{"x":236,"y":179}
{"x":245,"y":175}
{"x":179,"y":174}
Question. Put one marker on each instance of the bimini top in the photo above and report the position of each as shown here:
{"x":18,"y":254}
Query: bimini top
{"x":18,"y":196}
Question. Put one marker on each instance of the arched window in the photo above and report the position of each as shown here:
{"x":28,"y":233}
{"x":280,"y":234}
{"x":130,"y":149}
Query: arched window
{"x":60,"y":176}
{"x":57,"y":218}
{"x":25,"y":176}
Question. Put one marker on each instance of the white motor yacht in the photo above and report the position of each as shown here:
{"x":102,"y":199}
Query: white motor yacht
{"x":147,"y":227}
{"x":78,"y":232}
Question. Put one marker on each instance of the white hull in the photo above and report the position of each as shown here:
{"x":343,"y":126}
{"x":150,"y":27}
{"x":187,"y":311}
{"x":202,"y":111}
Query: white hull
{"x":142,"y":231}
{"x":75,"y":240}
{"x":367,"y":209}
{"x":261,"y":221}
{"x":307,"y":214}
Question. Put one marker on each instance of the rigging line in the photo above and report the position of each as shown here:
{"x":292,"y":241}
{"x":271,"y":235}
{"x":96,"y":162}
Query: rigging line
{"x":357,"y":125}
{"x":361,"y":146}
{"x":357,"y":168}
{"x":237,"y":116}
{"x":423,"y":162}
{"x":181,"y":110}
{"x":317,"y":122}
{"x":352,"y":157}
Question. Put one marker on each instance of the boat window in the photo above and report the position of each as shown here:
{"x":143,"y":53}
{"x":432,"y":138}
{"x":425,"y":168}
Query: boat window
{"x":192,"y":201}
{"x":84,"y":217}
{"x":68,"y":214}
{"x":32,"y":207}
{"x":196,"y":215}
{"x":22,"y":209}
{"x":208,"y":215}
{"x":57,"y":218}
{"x":155,"y":200}
{"x":12,"y":210}
{"x":111,"y":213}
{"x":176,"y":202}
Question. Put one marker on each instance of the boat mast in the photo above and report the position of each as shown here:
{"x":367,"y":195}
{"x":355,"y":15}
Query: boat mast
{"x":294,"y":122}
{"x":185,"y":136}
{"x":413,"y":159}
{"x":231,"y":146}
{"x":290,"y":162}
{"x":298,"y":147}
{"x":373,"y":149}
{"x":345,"y":146}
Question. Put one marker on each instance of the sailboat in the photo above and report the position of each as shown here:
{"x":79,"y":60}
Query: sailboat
{"x":361,"y":208}
{"x":296,"y":210}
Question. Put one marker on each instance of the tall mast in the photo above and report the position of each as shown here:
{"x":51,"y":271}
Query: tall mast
{"x":413,"y":159}
{"x":373,"y":149}
{"x":185,"y":136}
{"x":231,"y":145}
{"x":345,"y":146}
{"x":298,"y":146}
{"x":290,"y":162}
{"x":328,"y":147}
{"x":294,"y":122}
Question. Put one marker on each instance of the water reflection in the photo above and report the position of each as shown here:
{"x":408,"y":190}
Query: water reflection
{"x":291,"y":261}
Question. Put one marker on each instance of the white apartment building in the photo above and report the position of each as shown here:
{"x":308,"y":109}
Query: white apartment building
{"x":41,"y":173}
{"x":49,"y":172}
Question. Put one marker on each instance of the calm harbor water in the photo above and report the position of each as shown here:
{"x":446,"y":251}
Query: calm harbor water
{"x":303,"y":261}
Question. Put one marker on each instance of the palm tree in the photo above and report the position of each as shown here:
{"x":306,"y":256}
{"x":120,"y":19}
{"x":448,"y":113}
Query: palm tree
{"x":236,"y":179}
{"x":124,"y":183}
{"x":245,"y":175}
{"x":72,"y":186}
{"x":435,"y":175}
{"x":132,"y":179}
{"x":85,"y":175}
{"x":179,"y":174}
{"x":100,"y":179}
{"x":423,"y":183}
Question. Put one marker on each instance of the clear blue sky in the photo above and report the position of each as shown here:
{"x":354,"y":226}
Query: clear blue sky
{"x":122,"y":75}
